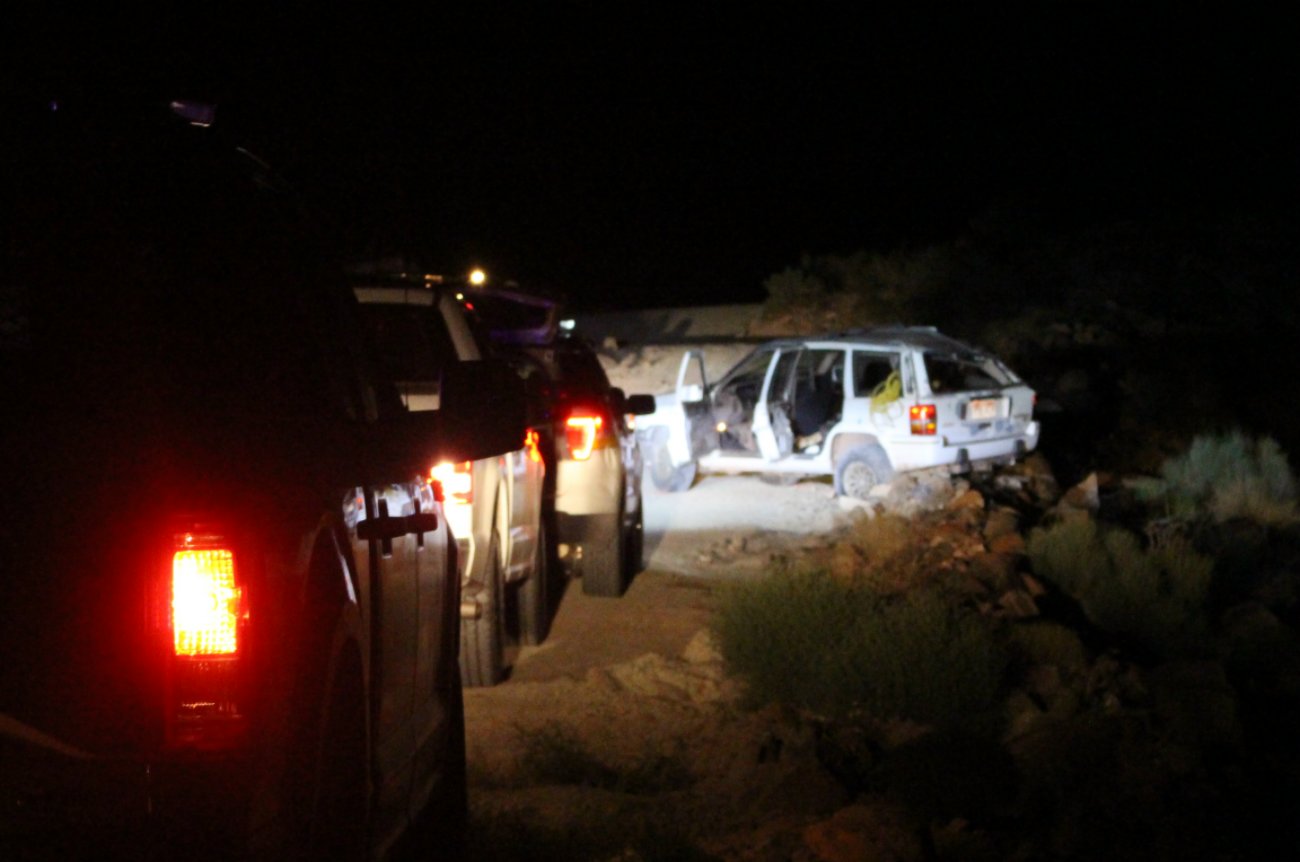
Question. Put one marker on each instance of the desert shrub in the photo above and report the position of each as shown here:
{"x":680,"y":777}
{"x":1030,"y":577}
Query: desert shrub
{"x":794,"y":290}
{"x":1150,"y":598}
{"x":838,"y":649}
{"x":553,"y":755}
{"x":1225,"y":477}
{"x":1049,"y":643}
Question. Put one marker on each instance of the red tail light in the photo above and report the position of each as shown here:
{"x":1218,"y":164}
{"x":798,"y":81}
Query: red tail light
{"x":208,"y":619}
{"x":923,"y":418}
{"x":206,"y":602}
{"x":584,"y":432}
{"x":456,"y":479}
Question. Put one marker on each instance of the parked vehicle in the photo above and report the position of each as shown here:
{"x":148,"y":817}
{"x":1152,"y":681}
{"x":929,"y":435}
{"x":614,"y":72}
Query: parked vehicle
{"x":589,"y":439}
{"x":858,"y":406}
{"x":231,"y":602}
{"x":494,"y":504}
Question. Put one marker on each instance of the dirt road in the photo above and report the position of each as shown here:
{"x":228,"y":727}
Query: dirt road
{"x":634,"y":685}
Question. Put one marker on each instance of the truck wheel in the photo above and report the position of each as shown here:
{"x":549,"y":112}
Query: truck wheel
{"x":603,"y":563}
{"x":861,"y":469}
{"x":534,"y":609}
{"x":482,"y":640}
{"x":668,"y":477}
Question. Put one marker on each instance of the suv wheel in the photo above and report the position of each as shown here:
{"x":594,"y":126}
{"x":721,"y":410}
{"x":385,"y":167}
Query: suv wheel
{"x":634,"y":539}
{"x":861,"y":469}
{"x":667,"y":477}
{"x":482,"y":640}
{"x":603,"y":565}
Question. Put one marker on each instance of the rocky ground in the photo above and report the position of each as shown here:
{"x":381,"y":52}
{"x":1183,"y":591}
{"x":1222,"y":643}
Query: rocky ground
{"x":622,"y":734}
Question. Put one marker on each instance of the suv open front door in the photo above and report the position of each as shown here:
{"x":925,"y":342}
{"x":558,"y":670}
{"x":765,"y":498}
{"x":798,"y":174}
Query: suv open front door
{"x":699,"y":434}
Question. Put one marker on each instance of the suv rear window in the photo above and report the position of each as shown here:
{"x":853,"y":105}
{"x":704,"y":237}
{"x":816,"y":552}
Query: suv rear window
{"x":961,"y":373}
{"x":580,"y":369}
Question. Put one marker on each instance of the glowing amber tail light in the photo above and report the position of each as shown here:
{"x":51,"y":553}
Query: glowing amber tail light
{"x":582,"y":432}
{"x":207,"y":603}
{"x":923,"y":418}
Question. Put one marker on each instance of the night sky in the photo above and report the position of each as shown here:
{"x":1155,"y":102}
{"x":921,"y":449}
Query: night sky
{"x":650,"y":157}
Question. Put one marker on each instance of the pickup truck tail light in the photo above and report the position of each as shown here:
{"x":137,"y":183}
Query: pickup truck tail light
{"x":207,"y":615}
{"x":584,"y":432}
{"x":457,"y":481}
{"x":923,"y":418}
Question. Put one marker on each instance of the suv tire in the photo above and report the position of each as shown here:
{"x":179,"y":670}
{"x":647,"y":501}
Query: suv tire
{"x":861,"y":469}
{"x":634,"y":539}
{"x":603,"y":558}
{"x":667,"y":477}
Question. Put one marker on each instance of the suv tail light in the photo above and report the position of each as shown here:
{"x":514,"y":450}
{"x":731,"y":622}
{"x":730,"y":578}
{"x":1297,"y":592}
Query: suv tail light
{"x":457,"y":481}
{"x":207,"y":616}
{"x":923,"y":419}
{"x":584,"y":432}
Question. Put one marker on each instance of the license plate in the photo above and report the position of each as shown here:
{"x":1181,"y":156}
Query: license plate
{"x":983,"y":408}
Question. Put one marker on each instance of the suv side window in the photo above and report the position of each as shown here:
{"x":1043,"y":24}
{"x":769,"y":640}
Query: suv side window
{"x":870,"y":370}
{"x":783,"y":376}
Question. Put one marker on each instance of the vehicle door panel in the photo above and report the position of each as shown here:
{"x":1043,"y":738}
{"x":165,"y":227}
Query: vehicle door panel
{"x":524,"y":482}
{"x":773,"y":431}
{"x":392,"y":561}
{"x":697,"y":436}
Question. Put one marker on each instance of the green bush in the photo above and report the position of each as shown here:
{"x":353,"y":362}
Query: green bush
{"x":1151,"y":598}
{"x":1048,"y":643}
{"x":794,"y":290}
{"x":1224,"y":477}
{"x":838,"y":650}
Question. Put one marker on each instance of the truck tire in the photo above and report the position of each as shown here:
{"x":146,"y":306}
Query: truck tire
{"x":861,"y":469}
{"x":668,"y":477}
{"x":603,"y":565}
{"x":534,"y":594}
{"x":482,"y":640}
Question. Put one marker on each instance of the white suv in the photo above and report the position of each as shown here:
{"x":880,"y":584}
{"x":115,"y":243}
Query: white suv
{"x":858,"y":406}
{"x":494,"y":505}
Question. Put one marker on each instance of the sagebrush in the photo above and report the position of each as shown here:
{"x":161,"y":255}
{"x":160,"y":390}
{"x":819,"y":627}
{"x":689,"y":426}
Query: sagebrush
{"x":1224,"y":477}
{"x":838,"y":649}
{"x":1152,"y":598}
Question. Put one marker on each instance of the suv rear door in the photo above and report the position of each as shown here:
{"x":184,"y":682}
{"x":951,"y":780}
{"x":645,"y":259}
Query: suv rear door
{"x":976,"y":398}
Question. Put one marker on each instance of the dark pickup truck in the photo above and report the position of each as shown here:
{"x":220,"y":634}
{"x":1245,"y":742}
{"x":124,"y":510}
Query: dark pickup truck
{"x":229,"y":602}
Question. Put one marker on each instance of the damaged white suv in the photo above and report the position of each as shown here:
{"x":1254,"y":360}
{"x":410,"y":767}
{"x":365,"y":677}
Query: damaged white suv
{"x":858,"y":406}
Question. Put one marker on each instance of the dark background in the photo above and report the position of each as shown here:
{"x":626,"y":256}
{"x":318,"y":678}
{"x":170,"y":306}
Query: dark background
{"x":655,"y":156}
